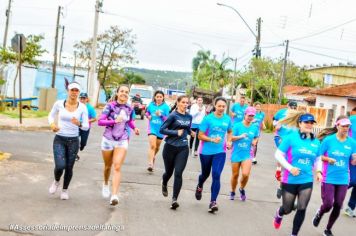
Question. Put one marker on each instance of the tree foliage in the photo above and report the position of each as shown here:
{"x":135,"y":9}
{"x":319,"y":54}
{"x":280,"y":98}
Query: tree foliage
{"x":115,"y":48}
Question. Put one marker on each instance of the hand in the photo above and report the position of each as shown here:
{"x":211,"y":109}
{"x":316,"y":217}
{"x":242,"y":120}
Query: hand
{"x":233,"y":114}
{"x":158,"y":113}
{"x":331,"y":161}
{"x":319,"y":177}
{"x":228,"y":145}
{"x":200,"y":109}
{"x":149,"y":117}
{"x":118,"y":119}
{"x":75,"y":121}
{"x":295,"y":171}
{"x":54,"y":127}
{"x":254,"y":142}
{"x":137,"y":131}
{"x":193,"y":134}
{"x":216,"y":140}
{"x":180,"y":132}
{"x":278,"y":126}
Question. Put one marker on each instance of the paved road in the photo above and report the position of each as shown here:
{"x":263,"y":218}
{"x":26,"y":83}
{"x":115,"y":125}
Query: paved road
{"x":26,"y":176}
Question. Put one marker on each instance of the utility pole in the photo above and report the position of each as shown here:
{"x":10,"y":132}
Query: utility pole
{"x":258,"y":38}
{"x":233,"y":82}
{"x":283,"y":77}
{"x":92,"y":79}
{"x":7,"y":13}
{"x":61,"y":48}
{"x":55,"y":48}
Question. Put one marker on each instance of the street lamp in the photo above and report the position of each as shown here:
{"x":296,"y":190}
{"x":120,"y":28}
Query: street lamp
{"x":257,"y":37}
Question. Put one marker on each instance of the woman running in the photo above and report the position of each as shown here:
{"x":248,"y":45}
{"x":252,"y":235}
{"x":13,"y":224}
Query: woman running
{"x":157,"y":113}
{"x":212,"y":134}
{"x":260,"y":124}
{"x":117,"y":117}
{"x":198,"y":113}
{"x":297,"y":154}
{"x":176,"y":151}
{"x":66,"y":142}
{"x":337,"y":152}
{"x":244,"y":136}
{"x":238,"y":110}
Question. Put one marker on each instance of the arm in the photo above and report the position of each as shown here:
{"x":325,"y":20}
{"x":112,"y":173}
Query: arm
{"x":52,"y":114}
{"x":131,"y":122}
{"x":92,"y":114}
{"x":165,"y":127}
{"x":104,"y":117}
{"x":281,"y":158}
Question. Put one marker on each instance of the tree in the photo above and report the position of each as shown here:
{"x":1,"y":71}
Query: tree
{"x":209,"y":73}
{"x":115,"y":48}
{"x":32,"y":51}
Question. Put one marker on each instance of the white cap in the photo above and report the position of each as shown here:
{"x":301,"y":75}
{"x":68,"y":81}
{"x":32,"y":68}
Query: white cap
{"x":74,"y":86}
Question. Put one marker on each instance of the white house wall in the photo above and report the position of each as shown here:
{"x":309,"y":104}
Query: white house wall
{"x":329,"y":101}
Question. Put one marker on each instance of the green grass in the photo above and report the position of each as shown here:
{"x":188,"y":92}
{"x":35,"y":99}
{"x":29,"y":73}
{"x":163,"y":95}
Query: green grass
{"x":25,"y":113}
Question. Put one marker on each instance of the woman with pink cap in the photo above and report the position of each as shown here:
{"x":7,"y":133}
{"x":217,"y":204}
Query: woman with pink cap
{"x":244,"y":136}
{"x":337,"y":151}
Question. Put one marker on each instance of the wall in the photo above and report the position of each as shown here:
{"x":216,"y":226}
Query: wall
{"x":340,"y":74}
{"x":329,"y":101}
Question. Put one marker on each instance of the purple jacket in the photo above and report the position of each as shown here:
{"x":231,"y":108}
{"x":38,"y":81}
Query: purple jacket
{"x":116,"y":131}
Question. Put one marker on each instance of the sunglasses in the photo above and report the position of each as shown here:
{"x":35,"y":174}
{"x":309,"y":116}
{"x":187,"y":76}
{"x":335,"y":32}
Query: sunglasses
{"x":74,"y":90}
{"x":309,"y":122}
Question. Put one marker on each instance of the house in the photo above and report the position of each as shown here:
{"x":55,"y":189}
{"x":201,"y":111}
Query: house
{"x":301,"y":94}
{"x":331,"y":75}
{"x":340,"y":99}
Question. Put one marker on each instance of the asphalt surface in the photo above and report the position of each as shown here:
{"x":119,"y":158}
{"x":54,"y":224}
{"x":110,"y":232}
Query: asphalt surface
{"x":25,"y":201}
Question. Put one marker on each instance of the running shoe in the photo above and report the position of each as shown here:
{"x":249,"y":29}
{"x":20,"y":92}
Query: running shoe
{"x":174,"y":204}
{"x":277,"y":221}
{"x":327,"y":232}
{"x":164,"y":189}
{"x":279,"y":193}
{"x":77,"y":157}
{"x":195,"y":154}
{"x":349,"y":212}
{"x":213,"y":206}
{"x":64,"y":194}
{"x":232,"y":196}
{"x":242,"y":194}
{"x":53,"y":188}
{"x":254,"y":161}
{"x":198,"y":193}
{"x":150,"y":168}
{"x":114,"y":200}
{"x":105,"y":192}
{"x":316,"y":219}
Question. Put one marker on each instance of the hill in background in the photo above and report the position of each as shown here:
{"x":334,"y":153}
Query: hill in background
{"x":162,"y":78}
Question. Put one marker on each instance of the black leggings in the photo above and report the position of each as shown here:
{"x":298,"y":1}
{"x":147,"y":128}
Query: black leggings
{"x":175,"y":159}
{"x":289,"y":194}
{"x":191,"y":141}
{"x":65,"y":150}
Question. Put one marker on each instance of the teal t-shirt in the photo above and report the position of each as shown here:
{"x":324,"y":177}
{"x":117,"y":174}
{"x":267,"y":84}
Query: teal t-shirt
{"x":214,"y":127}
{"x":241,"y":149}
{"x":239,"y":111}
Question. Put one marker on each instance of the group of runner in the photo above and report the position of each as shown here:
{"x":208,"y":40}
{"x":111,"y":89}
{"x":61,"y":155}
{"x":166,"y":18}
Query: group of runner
{"x":298,"y":149}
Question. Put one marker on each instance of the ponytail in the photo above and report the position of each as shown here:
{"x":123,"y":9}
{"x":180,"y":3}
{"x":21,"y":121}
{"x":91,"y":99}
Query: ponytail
{"x":329,"y":131}
{"x":292,"y":118}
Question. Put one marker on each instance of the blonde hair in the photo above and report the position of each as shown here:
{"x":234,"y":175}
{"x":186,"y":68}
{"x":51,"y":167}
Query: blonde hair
{"x":292,"y":118}
{"x":329,"y":131}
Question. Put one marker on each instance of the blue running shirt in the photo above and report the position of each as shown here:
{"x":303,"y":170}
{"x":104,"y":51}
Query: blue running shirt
{"x":214,"y":127}
{"x":239,"y":111}
{"x":300,"y":153}
{"x":339,"y":172}
{"x":241,"y":148}
{"x":156,"y":121}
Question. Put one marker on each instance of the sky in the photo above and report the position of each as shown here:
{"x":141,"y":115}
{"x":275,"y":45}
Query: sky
{"x":170,"y":32}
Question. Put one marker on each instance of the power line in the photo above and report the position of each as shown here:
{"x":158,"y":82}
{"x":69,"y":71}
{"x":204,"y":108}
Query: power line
{"x":323,"y":31}
{"x":320,"y":54}
{"x":327,"y":48}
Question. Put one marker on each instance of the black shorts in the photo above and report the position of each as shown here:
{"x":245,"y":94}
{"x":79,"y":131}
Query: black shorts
{"x":156,"y":136}
{"x":296,"y":188}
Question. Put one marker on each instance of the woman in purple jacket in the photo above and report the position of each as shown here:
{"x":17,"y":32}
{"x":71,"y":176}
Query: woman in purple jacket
{"x":118,"y":117}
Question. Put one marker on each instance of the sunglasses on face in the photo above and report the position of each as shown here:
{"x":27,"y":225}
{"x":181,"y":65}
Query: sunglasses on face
{"x":74,"y":90}
{"x":308,"y":122}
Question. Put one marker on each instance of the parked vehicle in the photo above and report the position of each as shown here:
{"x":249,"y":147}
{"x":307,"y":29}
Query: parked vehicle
{"x":140,"y":102}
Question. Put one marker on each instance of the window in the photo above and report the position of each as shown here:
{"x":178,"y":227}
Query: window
{"x":321,"y":104}
{"x":334,"y":107}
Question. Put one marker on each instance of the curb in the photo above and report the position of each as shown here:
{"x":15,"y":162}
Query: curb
{"x":24,"y":128}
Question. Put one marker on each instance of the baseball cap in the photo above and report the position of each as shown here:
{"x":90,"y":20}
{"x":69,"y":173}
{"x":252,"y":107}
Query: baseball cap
{"x":292,"y":104}
{"x":250,"y":111}
{"x":343,"y":122}
{"x":74,"y":86}
{"x":307,"y":117}
{"x":83,"y":95}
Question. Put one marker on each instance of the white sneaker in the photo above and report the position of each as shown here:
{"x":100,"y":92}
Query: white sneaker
{"x":349,"y":212}
{"x":53,"y":188}
{"x":64,"y":194}
{"x":105,"y":192}
{"x":114,"y":200}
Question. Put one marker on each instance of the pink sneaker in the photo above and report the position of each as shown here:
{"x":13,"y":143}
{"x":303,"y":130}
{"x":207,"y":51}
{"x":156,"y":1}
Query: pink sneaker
{"x":64,"y":194}
{"x":53,"y":188}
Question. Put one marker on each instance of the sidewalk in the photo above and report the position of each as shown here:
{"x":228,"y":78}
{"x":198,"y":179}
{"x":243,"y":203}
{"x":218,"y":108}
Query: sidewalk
{"x":28,"y":124}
